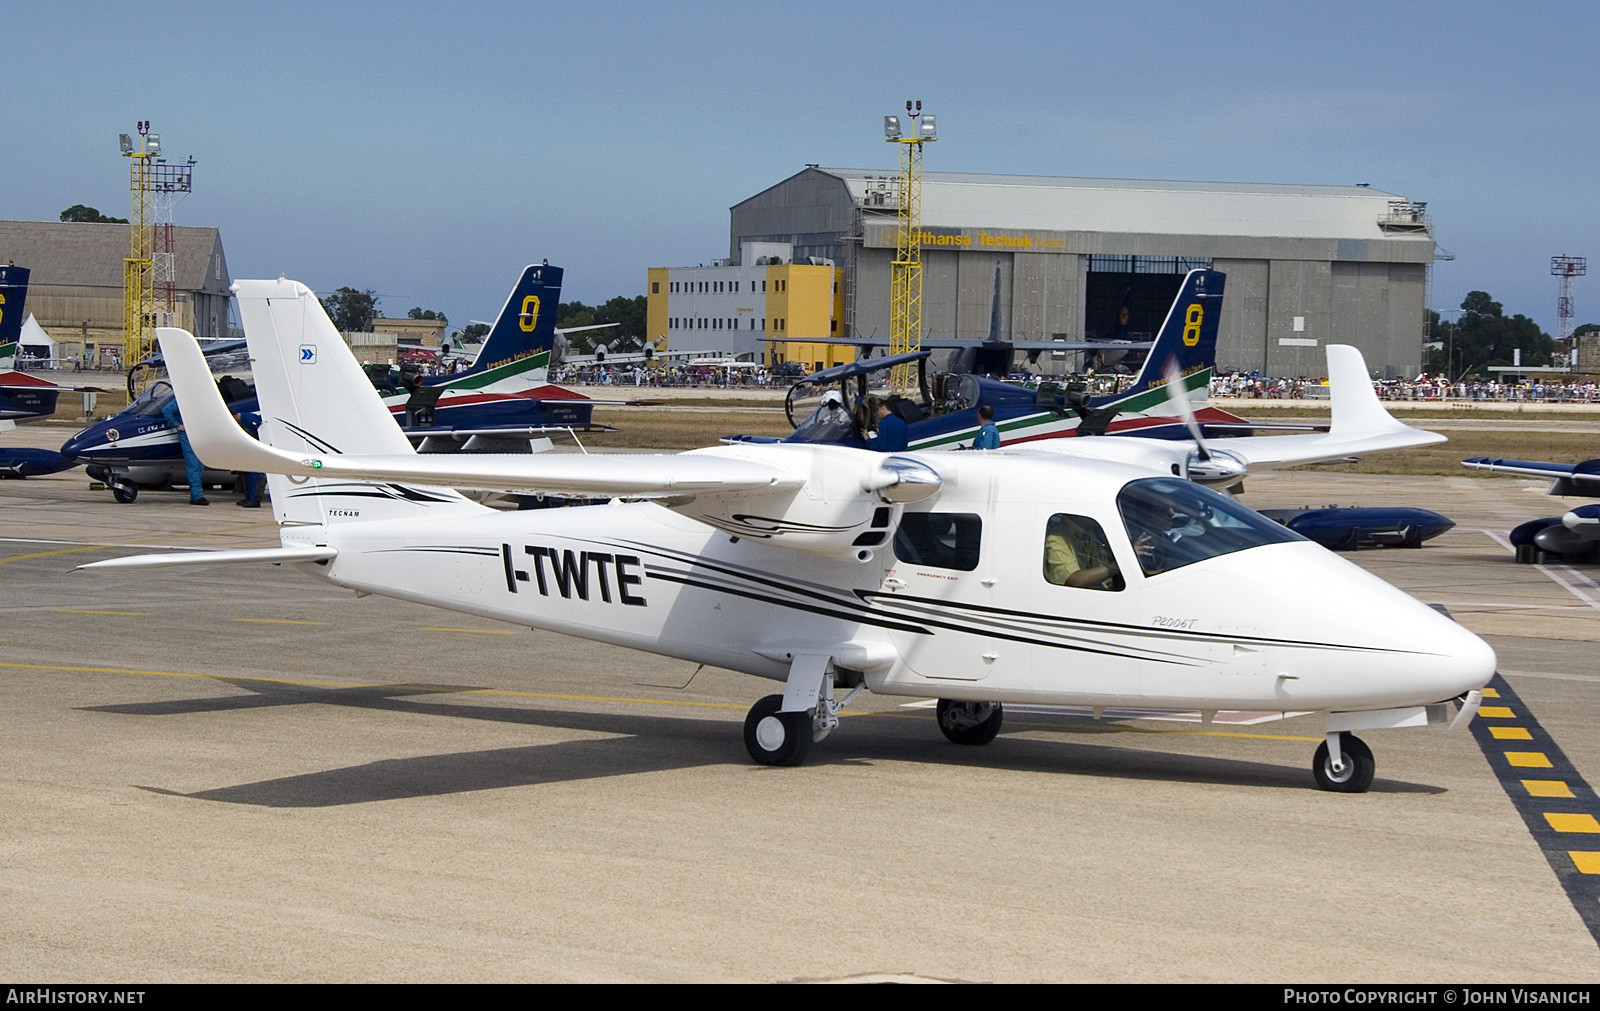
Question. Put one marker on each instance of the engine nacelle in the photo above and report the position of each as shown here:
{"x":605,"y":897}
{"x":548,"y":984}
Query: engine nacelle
{"x":847,"y":510}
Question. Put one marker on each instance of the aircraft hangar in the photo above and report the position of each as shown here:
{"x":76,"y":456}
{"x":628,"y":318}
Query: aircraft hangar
{"x":1307,"y":265}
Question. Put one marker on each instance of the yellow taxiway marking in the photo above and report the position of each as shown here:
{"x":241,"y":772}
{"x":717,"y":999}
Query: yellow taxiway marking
{"x":46,"y":554}
{"x":1586,"y":862}
{"x":1491,"y":693}
{"x":279,"y":621}
{"x":75,"y":610}
{"x":1546,"y":788}
{"x":474,"y":631}
{"x":1497,"y":712}
{"x":1528,"y":759}
{"x":1510,"y":733}
{"x":1572,"y":822}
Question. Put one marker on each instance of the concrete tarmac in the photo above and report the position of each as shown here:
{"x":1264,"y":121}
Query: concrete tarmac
{"x":244,"y":774}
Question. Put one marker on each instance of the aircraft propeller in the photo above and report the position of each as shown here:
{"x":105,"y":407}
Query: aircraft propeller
{"x":1205,"y":465}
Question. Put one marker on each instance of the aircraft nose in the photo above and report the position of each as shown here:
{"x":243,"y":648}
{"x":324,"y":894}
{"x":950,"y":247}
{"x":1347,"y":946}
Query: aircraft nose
{"x":1378,"y":647}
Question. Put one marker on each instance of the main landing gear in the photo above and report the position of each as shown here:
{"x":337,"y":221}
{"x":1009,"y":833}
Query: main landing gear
{"x":970,"y":722}
{"x":1346,"y":767}
{"x":780,"y":729}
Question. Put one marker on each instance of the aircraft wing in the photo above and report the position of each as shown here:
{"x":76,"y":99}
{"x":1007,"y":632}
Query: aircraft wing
{"x":217,"y":438}
{"x":42,"y":385}
{"x":1528,"y":468}
{"x":1566,"y":478}
{"x":1360,"y":423}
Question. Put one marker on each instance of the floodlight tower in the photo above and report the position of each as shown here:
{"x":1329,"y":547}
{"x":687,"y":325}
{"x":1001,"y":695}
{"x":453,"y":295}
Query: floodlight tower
{"x":905,"y":290}
{"x":138,"y":279}
{"x":168,"y":182}
{"x":1566,"y":268}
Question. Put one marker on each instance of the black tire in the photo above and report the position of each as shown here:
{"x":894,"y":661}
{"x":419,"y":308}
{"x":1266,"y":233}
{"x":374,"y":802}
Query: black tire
{"x":125,"y":495}
{"x":970,"y":722}
{"x":1355,"y":777}
{"x":777,"y":738}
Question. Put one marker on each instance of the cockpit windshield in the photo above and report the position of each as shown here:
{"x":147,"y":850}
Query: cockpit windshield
{"x":152,"y":401}
{"x":1173,"y":523}
{"x":831,"y":421}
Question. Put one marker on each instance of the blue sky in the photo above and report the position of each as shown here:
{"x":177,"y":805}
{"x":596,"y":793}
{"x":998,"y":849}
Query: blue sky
{"x":427,"y":152}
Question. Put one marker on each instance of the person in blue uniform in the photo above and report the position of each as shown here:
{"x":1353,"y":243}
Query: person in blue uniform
{"x":892,"y":435}
{"x":251,"y":423}
{"x":988,"y":432}
{"x":192,"y":467}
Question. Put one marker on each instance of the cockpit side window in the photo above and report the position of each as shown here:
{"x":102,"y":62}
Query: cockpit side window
{"x":939,"y":540}
{"x":1077,"y":554}
{"x":1173,"y":523}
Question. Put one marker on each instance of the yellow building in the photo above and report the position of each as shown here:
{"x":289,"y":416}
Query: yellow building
{"x":763,"y":308}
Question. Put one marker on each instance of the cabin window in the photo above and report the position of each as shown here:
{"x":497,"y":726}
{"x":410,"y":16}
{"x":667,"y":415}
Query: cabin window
{"x":939,"y":540}
{"x":1077,"y":554}
{"x":1172,"y":523}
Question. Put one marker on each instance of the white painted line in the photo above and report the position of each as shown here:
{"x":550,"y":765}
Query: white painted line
{"x":1575,"y":582}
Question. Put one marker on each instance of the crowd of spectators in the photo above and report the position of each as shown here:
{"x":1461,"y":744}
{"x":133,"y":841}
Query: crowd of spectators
{"x":1251,"y":386}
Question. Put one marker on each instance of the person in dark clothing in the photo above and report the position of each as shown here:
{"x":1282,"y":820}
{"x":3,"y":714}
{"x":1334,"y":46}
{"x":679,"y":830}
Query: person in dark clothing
{"x":892,"y":435}
{"x":251,"y":422}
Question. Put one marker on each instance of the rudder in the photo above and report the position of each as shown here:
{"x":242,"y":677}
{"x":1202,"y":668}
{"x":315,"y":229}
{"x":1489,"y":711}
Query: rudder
{"x":526,"y":325}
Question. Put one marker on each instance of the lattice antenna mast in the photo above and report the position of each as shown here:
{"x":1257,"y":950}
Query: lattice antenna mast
{"x":1566,"y":268}
{"x":138,"y":277}
{"x":905,"y":290}
{"x":168,"y":182}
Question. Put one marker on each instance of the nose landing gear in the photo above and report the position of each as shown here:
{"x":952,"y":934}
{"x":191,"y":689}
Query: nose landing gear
{"x":1347,"y":767}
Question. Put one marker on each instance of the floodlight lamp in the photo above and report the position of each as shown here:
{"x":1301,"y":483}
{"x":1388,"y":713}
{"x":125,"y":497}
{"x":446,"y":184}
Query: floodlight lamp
{"x":153,"y":144}
{"x":891,"y":127}
{"x":925,"y":129}
{"x":126,"y":142}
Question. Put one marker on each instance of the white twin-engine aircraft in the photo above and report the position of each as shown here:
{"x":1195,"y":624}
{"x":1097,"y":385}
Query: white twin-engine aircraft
{"x":1096,"y":572}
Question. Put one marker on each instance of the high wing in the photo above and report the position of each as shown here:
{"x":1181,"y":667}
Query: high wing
{"x":217,"y":439}
{"x":1360,"y":425}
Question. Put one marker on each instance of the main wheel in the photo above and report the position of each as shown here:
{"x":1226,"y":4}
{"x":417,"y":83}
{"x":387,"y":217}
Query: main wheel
{"x":125,"y":495}
{"x":777,"y":738}
{"x":970,"y":722}
{"x":1355,"y":775}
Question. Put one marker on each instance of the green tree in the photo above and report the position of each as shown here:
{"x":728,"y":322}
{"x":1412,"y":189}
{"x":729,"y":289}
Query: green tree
{"x":1483,"y":336}
{"x":627,"y":313}
{"x":78,"y":212}
{"x":352,"y":310}
{"x":474,"y":332}
{"x":419,"y":313}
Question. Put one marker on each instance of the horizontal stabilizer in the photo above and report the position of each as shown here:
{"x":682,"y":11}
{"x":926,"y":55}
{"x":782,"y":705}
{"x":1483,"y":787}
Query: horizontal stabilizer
{"x":273,"y":555}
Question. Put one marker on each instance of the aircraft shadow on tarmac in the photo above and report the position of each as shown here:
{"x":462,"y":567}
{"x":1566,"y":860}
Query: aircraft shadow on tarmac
{"x":644,"y":744}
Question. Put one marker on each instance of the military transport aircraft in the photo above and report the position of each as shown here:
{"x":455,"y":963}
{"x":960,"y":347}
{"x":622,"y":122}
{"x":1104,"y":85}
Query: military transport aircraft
{"x":1093,"y":573}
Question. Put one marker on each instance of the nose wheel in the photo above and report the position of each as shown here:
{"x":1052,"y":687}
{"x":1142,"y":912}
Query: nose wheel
{"x":1350,"y":770}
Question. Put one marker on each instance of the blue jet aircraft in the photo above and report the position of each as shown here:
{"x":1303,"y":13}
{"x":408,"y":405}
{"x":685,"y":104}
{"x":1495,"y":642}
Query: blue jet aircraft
{"x":497,"y":405}
{"x":945,"y":413}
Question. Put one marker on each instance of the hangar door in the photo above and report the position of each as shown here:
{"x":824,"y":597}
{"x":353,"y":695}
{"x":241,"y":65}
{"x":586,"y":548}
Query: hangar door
{"x":1144,"y":286}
